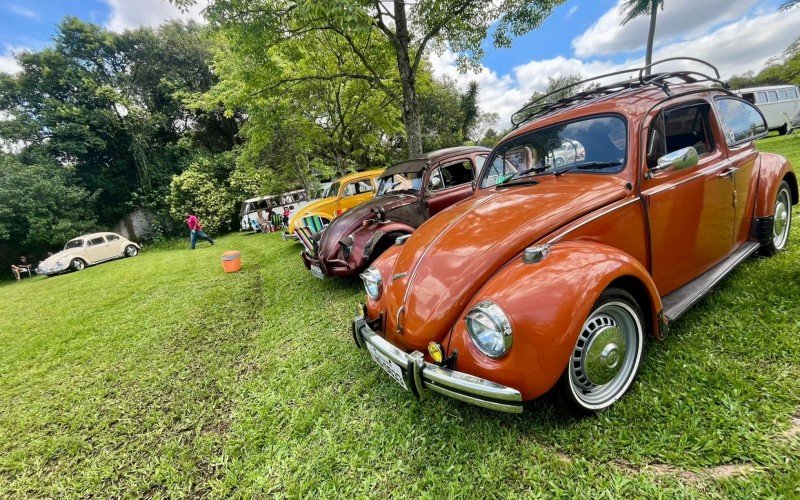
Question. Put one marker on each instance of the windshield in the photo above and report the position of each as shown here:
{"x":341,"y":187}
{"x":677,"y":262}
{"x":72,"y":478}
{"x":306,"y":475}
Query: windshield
{"x":407,"y":181}
{"x":73,"y":244}
{"x":589,"y":145}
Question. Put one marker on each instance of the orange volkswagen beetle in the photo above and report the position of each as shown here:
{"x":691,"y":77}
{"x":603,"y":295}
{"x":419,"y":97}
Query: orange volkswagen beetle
{"x":555,"y":273}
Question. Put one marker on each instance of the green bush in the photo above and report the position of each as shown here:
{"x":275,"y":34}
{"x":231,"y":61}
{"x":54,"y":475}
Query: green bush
{"x":199,"y":192}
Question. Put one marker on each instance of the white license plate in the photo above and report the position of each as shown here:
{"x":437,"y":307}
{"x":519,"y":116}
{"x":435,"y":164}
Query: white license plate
{"x":317,"y":272}
{"x":392,"y":369}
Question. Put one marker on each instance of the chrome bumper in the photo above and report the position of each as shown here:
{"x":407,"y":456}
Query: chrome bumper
{"x":422,"y":377}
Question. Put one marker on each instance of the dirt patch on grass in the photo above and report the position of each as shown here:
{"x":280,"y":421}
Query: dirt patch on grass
{"x":696,"y":477}
{"x":794,"y":429}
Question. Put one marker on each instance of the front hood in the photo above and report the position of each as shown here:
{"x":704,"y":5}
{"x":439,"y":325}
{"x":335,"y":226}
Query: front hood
{"x":452,"y":255}
{"x":350,"y":221}
{"x":323,"y":205}
{"x":62,"y":256}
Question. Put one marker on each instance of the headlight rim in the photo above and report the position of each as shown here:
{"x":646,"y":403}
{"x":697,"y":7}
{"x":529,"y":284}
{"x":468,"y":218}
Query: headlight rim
{"x":375,"y":276}
{"x":500,"y":320}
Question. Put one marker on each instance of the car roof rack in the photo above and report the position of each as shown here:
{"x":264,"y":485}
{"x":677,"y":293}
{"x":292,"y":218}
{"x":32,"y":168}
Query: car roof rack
{"x":540,"y":107}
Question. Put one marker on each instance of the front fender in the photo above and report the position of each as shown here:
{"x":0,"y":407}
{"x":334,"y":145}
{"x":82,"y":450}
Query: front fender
{"x":547,"y":304}
{"x":772,"y":170}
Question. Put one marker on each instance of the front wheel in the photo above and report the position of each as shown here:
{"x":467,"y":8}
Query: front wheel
{"x":77,"y":264}
{"x":606,"y":356}
{"x":131,"y":251}
{"x":782,"y":221}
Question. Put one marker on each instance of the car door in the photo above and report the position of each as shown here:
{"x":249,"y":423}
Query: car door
{"x":741,"y":124}
{"x":690,"y":210}
{"x":115,"y":246}
{"x":448,"y":183}
{"x":97,"y":249}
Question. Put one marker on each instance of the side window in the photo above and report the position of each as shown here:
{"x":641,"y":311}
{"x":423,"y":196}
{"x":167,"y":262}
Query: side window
{"x":451,"y":175}
{"x":761,"y":97}
{"x":772,"y":96}
{"x":479,"y":162}
{"x":782,"y":95}
{"x":96,"y":241}
{"x":740,"y":121}
{"x":112,"y":237}
{"x":678,"y":128}
{"x":357,"y":187}
{"x":792,"y":92}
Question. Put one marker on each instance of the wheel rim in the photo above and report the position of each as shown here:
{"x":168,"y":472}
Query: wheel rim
{"x":131,"y":251}
{"x":606,"y":355}
{"x":783,"y":219}
{"x":78,"y":265}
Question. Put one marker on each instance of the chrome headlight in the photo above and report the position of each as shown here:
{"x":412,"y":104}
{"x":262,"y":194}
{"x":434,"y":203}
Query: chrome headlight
{"x":489,"y":329}
{"x":372,"y":282}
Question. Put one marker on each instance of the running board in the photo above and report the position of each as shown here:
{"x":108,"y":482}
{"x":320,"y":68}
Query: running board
{"x":678,"y":302}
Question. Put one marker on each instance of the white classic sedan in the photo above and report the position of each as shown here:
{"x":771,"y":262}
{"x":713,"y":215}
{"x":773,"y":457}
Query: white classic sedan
{"x":88,"y":250}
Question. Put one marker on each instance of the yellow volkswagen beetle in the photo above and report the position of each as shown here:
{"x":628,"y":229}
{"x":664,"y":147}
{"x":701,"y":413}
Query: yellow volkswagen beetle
{"x":348,"y":192}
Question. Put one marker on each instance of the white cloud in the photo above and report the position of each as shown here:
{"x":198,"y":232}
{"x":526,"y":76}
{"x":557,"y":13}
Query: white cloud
{"x":680,"y":20}
{"x":22,"y":11}
{"x":766,"y":35}
{"x":128,"y":14}
{"x":8,"y":63}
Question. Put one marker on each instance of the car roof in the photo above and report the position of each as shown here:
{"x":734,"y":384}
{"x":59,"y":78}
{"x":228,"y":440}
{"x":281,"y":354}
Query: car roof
{"x":360,"y":175}
{"x":633,"y":103}
{"x":439,"y":154}
{"x":93,"y":235}
{"x":259,"y":198}
{"x":764,"y":88}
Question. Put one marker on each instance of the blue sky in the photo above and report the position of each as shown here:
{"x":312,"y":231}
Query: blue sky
{"x":581,"y":36}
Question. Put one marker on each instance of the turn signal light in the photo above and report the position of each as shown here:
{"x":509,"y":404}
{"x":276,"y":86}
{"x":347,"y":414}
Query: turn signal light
{"x":436,"y":352}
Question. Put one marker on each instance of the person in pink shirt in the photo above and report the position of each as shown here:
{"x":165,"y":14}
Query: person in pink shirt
{"x":196,"y":230}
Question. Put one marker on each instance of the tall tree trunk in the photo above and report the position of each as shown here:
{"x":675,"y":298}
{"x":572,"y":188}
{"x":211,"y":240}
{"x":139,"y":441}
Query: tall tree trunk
{"x":651,"y":35}
{"x":408,"y":80}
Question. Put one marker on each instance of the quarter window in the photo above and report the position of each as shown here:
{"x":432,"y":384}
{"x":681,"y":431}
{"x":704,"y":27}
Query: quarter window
{"x":741,"y":122}
{"x":112,"y":237}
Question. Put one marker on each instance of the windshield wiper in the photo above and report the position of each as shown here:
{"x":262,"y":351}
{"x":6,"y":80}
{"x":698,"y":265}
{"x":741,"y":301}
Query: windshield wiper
{"x":522,"y":173}
{"x":589,"y":165}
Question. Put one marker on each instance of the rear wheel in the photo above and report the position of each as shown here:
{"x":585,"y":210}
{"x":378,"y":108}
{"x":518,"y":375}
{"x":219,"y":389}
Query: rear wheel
{"x":131,"y":251}
{"x":606,"y":356}
{"x":782,"y":221}
{"x":77,"y":264}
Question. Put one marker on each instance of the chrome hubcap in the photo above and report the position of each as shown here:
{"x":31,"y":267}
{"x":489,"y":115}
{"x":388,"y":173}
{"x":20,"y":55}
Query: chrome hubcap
{"x":783,"y":219}
{"x":606,"y":354}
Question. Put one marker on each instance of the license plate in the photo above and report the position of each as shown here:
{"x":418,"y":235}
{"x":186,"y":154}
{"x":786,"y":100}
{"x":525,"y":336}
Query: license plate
{"x":392,"y":369}
{"x":317,"y":272}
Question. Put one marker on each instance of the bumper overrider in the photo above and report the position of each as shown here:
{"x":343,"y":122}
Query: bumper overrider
{"x":420,"y":377}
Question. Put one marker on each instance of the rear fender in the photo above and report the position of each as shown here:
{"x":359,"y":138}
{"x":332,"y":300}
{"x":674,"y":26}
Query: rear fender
{"x":547,"y":303}
{"x":772,"y":171}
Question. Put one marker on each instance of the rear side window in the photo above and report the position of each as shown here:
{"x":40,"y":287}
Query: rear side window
{"x":112,"y":237}
{"x":740,"y":121}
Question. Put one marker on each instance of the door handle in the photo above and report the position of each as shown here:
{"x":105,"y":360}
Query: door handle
{"x":728,"y":172}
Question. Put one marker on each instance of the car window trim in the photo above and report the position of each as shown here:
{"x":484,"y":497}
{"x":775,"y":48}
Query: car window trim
{"x":447,"y":163}
{"x":614,"y":114}
{"x":745,"y":141}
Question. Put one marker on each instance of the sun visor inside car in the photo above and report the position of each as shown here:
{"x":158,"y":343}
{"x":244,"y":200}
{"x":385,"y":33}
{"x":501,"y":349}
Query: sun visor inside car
{"x":416,"y":165}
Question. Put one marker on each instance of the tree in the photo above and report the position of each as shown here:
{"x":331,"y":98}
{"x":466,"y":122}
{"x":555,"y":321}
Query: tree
{"x":407,"y":29}
{"x":636,"y":8}
{"x":555,"y":84}
{"x":469,"y":109}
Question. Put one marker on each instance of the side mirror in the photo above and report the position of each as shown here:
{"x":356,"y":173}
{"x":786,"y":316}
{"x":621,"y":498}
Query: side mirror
{"x":678,"y":160}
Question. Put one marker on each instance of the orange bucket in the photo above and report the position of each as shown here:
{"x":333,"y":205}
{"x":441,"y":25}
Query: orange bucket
{"x":232,"y":261}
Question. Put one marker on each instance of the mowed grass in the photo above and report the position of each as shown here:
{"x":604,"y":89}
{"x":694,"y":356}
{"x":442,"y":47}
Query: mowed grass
{"x":162,"y":376}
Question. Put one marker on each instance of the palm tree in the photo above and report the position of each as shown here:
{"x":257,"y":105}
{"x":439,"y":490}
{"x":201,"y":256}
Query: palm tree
{"x":636,"y":8}
{"x":788,"y":4}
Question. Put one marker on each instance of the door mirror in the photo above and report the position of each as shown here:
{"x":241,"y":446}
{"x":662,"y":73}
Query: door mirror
{"x":678,"y":160}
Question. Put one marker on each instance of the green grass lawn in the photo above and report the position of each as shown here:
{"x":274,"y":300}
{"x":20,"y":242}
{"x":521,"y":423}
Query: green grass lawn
{"x":162,"y":376}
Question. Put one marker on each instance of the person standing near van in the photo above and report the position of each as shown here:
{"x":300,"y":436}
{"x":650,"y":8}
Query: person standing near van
{"x":196,"y":230}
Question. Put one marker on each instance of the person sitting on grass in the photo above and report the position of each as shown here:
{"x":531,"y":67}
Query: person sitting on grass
{"x":22,"y":266}
{"x":196,"y":230}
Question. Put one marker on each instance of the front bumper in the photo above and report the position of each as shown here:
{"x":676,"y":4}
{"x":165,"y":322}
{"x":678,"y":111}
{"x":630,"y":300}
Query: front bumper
{"x":328,"y":268}
{"x":421,"y":377}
